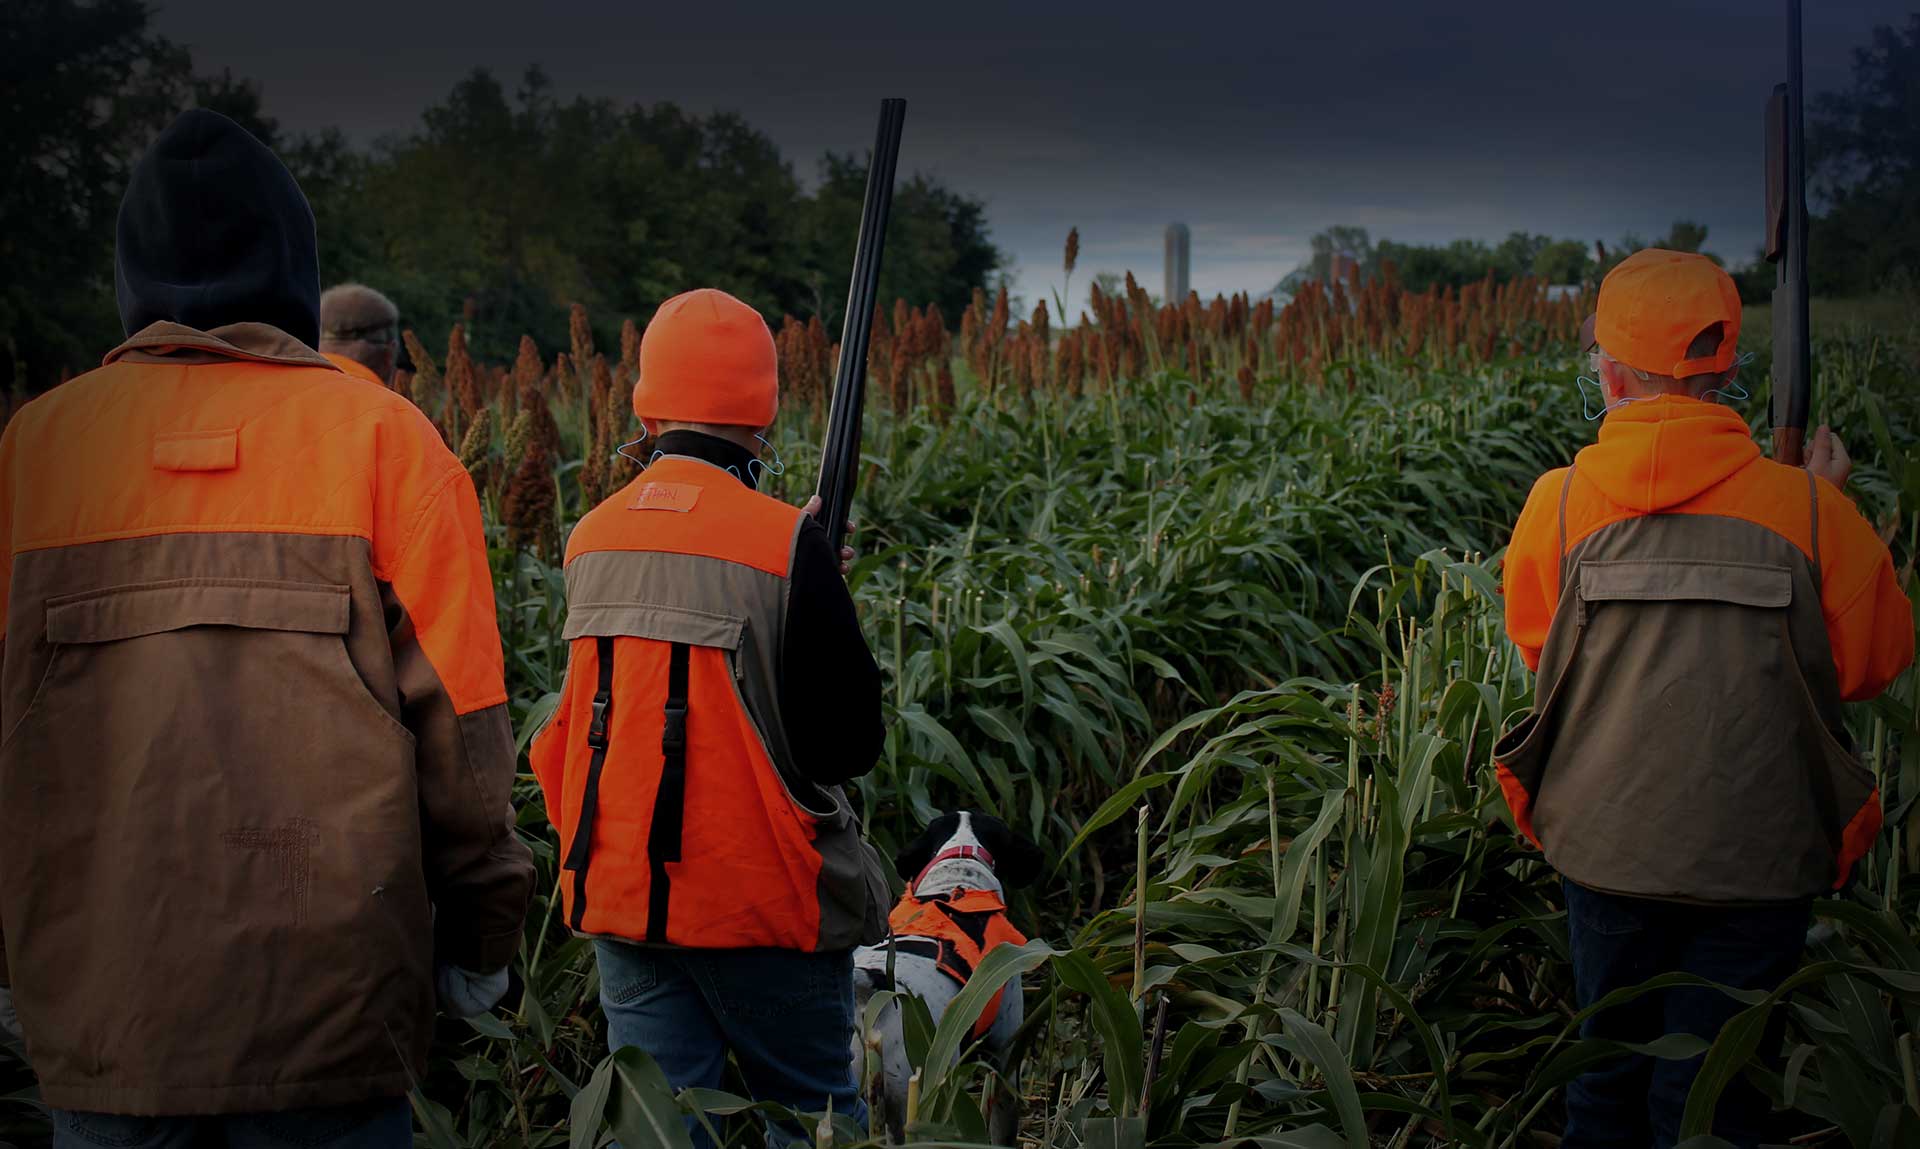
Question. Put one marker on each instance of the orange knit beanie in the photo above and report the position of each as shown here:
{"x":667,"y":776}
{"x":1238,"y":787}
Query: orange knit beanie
{"x":707,"y":358}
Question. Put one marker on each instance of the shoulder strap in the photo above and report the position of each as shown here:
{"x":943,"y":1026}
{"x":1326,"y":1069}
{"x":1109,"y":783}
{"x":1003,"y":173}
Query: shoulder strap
{"x":1813,"y":544}
{"x":670,"y":800}
{"x":580,"y":852}
{"x":1565,"y":489}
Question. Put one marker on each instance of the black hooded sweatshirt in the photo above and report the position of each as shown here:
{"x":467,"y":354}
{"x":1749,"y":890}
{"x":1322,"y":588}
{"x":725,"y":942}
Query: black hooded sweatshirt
{"x":213,"y":230}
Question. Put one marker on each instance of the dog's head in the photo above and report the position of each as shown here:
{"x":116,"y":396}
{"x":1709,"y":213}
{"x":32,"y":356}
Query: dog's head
{"x":963,"y":837}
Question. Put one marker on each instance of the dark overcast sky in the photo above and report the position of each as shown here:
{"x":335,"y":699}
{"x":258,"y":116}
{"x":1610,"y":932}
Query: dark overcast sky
{"x":1257,"y":125}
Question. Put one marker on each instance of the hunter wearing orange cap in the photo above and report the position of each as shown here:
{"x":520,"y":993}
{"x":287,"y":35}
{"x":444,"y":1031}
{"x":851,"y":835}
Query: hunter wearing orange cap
{"x":718,"y":693}
{"x":1696,"y":614}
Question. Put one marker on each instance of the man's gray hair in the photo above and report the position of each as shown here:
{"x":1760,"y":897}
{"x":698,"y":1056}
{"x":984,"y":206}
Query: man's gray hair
{"x":353,"y":312}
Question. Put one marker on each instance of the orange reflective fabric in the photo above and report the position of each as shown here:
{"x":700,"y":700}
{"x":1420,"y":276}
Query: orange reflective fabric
{"x":354,"y":368}
{"x":940,"y":917}
{"x":1682,"y":456}
{"x":1519,"y":802}
{"x":315,"y":451}
{"x":1675,"y":455}
{"x":728,"y":521}
{"x":1857,"y":838}
{"x":748,"y":874}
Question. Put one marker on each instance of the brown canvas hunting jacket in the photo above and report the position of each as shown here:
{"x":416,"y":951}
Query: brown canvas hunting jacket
{"x":256,"y":767}
{"x":1697,"y":615}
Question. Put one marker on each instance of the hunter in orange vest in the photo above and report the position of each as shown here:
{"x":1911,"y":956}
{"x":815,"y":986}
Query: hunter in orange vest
{"x":1696,"y":614}
{"x":719,"y":691}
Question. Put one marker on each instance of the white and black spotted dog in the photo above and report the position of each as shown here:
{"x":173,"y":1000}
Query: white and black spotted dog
{"x":953,"y":911}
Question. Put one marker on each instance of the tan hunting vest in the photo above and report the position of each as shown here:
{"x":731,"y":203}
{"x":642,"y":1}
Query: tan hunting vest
{"x":1686,"y":741}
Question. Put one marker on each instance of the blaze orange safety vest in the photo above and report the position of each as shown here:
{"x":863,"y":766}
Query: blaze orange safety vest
{"x":683,"y":820}
{"x":963,"y":926}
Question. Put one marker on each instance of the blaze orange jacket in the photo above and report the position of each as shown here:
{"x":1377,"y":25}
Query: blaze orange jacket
{"x":1681,"y":456}
{"x":1687,"y":739}
{"x":354,"y":368}
{"x":257,"y":765}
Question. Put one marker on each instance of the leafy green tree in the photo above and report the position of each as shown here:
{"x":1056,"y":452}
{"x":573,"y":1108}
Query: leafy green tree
{"x":1515,"y":256}
{"x":238,"y":99}
{"x":503,"y":209}
{"x":1684,"y":235}
{"x":1863,"y":147}
{"x":1563,"y":261}
{"x":88,"y":85}
{"x":938,"y":248}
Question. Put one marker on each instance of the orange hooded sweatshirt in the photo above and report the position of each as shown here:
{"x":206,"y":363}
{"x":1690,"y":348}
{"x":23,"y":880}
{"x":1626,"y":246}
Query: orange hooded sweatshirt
{"x":1674,"y":455}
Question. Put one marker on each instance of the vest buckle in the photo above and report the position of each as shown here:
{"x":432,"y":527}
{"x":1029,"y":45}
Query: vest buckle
{"x":597,"y":729}
{"x":673,"y":734}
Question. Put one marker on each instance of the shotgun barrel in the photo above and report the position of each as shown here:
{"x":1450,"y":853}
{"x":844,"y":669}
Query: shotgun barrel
{"x":1786,"y":247}
{"x":840,"y":454}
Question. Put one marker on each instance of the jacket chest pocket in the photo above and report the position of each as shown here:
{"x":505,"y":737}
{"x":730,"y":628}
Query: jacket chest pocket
{"x":1680,"y":658}
{"x":1760,"y":585}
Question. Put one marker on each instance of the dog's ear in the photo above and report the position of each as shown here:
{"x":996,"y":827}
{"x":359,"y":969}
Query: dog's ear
{"x":1016,"y":859}
{"x":914,"y":856}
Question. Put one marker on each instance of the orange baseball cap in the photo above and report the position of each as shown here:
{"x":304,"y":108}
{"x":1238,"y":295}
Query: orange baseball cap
{"x":708,"y":358}
{"x":1656,"y":303}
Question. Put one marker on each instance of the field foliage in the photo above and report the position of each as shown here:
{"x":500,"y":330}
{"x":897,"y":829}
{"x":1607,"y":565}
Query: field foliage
{"x":1215,"y":620}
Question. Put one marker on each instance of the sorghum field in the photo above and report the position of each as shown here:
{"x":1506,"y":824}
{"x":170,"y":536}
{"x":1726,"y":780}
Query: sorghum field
{"x":1203,"y":599}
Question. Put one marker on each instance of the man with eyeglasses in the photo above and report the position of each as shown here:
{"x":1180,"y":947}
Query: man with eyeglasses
{"x":1696,"y":614}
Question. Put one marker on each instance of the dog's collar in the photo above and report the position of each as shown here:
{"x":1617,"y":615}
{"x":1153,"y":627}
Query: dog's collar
{"x":975,"y":853}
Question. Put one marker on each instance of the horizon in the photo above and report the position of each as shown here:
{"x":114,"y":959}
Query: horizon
{"x":1068,"y":133}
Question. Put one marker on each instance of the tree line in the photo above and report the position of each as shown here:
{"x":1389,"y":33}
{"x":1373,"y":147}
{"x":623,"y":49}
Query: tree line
{"x":506,"y":204}
{"x":501,"y":209}
{"x":1863,"y":149}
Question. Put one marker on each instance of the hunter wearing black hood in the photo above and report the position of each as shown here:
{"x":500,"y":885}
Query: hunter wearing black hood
{"x":214,"y":231}
{"x":255,"y":790}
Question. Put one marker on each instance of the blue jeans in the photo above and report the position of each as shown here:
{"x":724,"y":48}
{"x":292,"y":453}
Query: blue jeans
{"x":383,"y":1124}
{"x":787,"y":1018}
{"x":1620,"y":941}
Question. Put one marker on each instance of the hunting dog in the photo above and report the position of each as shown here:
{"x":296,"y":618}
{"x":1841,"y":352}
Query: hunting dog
{"x":953,"y":912}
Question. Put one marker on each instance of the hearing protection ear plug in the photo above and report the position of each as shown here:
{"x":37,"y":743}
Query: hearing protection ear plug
{"x":775,"y":468}
{"x":1581,"y":383}
{"x":630,"y":457}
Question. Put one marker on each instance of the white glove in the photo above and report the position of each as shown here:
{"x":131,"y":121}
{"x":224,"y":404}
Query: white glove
{"x":9,"y":1020}
{"x":464,"y":993}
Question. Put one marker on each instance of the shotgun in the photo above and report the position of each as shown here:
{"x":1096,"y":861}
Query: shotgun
{"x":1786,"y":247}
{"x":840,"y":454}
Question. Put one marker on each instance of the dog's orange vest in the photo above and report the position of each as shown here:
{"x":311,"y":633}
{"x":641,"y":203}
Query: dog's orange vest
{"x":965,"y":925}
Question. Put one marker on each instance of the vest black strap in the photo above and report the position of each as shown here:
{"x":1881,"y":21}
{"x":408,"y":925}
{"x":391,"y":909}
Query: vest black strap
{"x":597,"y":739}
{"x":1566,"y":489}
{"x":670,"y":800}
{"x":1813,"y":545}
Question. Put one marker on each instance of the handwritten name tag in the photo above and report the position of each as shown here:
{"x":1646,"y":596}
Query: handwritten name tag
{"x":665,"y":497}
